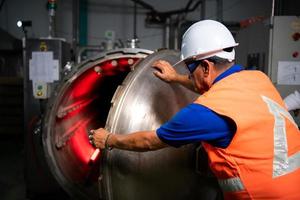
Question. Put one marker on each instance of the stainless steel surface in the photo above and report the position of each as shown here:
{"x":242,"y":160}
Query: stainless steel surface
{"x":143,"y":102}
{"x":80,"y":103}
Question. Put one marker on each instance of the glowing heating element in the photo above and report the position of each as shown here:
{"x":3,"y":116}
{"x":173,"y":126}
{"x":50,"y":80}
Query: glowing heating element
{"x":95,"y":155}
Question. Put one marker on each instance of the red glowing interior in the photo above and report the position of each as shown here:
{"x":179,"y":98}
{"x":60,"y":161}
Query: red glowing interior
{"x":84,"y":106}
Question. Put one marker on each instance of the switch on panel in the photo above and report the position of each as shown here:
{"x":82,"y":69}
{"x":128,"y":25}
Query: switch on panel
{"x":40,"y":90}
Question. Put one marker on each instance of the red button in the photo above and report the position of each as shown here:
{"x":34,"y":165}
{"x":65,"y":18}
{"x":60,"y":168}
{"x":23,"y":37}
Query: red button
{"x":296,"y":36}
{"x":295,"y":54}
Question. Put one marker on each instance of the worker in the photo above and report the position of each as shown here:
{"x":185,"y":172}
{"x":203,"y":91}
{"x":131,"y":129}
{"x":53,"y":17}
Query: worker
{"x":253,"y":143}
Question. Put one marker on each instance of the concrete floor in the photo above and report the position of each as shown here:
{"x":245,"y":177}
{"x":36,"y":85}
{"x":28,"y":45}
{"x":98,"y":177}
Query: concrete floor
{"x":12,"y":184}
{"x":12,"y":173}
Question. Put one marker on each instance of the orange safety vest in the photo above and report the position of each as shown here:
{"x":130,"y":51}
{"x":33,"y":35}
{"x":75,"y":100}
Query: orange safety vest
{"x":263,"y":159}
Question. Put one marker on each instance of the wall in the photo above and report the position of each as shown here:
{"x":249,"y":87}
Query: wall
{"x":117,"y":15}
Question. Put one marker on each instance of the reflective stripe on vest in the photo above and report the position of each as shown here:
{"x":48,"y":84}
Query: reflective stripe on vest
{"x":282,"y":164}
{"x":231,"y":184}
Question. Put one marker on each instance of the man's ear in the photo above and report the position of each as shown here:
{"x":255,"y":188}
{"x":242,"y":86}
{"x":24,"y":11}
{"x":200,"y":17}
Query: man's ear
{"x":205,"y":67}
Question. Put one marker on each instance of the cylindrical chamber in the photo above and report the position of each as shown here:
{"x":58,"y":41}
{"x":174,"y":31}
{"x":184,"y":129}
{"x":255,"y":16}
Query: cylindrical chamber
{"x":80,"y":103}
{"x":144,"y":102}
{"x":100,"y":92}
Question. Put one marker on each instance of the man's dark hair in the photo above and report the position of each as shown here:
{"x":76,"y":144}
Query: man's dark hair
{"x":218,"y":61}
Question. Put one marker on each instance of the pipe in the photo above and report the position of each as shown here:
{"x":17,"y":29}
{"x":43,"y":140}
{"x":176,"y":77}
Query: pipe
{"x":220,"y":10}
{"x":75,"y":31}
{"x":203,"y":4}
{"x":273,"y":8}
{"x":167,"y":33}
{"x":134,"y":21}
{"x":52,"y":5}
{"x":271,"y":40}
{"x":83,"y":22}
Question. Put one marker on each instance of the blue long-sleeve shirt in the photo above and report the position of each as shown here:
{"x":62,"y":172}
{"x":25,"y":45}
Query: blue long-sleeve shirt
{"x":196,"y":123}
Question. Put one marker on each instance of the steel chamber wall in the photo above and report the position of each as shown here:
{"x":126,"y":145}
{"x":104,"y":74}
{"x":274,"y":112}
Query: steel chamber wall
{"x":118,"y":91}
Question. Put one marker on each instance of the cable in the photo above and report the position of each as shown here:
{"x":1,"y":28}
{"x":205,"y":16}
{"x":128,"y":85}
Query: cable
{"x":134,"y":21}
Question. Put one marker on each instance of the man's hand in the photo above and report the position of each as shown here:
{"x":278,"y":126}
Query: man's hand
{"x":164,"y":71}
{"x":138,"y":141}
{"x":167,"y":73}
{"x":99,"y":138}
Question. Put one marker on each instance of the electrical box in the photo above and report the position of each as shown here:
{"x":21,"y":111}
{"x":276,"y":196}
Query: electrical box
{"x":273,"y":46}
{"x":44,"y":59}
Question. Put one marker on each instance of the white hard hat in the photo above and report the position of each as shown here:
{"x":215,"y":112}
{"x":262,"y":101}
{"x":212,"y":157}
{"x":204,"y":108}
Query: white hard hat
{"x":205,"y":39}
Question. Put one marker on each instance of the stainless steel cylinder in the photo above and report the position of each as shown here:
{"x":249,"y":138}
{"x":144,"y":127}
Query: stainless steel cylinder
{"x":144,"y":102}
{"x":106,"y":92}
{"x":80,"y":103}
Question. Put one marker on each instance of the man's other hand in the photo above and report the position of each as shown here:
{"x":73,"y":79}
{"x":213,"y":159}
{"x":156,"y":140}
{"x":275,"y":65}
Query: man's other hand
{"x":164,"y":71}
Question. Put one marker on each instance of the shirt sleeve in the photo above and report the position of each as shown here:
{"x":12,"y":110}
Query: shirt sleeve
{"x":196,"y":123}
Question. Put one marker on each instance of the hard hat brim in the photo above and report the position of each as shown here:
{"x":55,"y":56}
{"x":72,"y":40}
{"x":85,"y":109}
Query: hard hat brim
{"x":202,"y":55}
